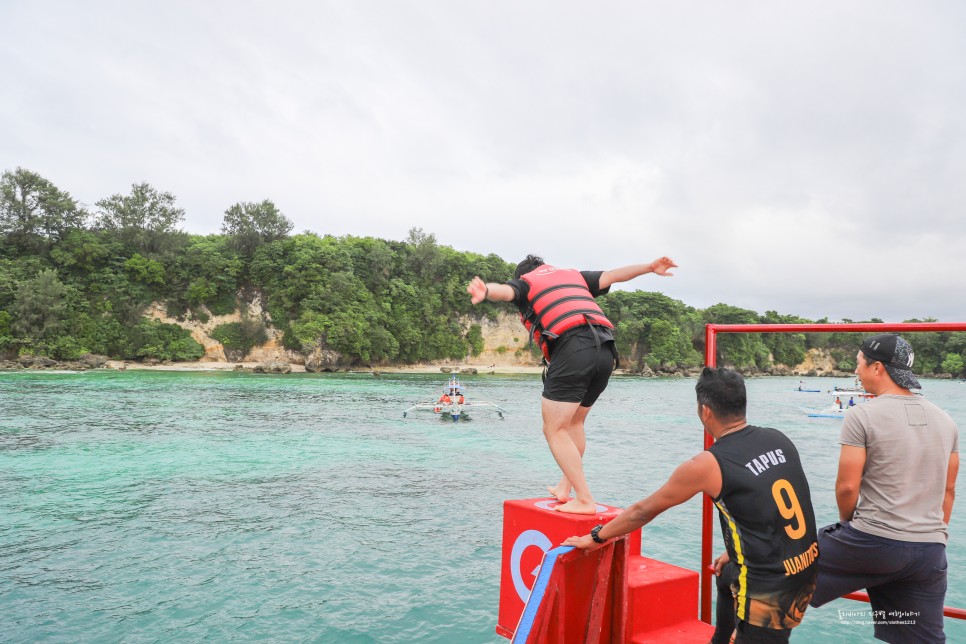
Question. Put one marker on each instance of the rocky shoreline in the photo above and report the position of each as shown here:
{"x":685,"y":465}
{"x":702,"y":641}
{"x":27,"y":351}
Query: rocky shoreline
{"x":85,"y":362}
{"x":91,"y":361}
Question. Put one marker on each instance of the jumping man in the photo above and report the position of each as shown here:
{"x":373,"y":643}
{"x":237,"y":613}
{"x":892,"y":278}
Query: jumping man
{"x":557,"y":308}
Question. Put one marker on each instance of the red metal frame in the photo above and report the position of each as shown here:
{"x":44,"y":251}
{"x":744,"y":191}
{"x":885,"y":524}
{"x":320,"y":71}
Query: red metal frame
{"x":710,"y":359}
{"x":955,"y":613}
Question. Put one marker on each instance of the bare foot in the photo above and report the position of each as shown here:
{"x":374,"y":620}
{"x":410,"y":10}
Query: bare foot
{"x":561,"y":498}
{"x":574,"y":506}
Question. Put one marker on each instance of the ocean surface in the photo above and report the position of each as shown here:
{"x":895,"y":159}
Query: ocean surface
{"x":150,"y":506}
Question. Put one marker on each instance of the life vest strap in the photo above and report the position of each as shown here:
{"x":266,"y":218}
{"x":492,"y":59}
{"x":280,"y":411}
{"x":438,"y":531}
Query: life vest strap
{"x":563,"y":300}
{"x":589,"y":314}
{"x":549,"y":289}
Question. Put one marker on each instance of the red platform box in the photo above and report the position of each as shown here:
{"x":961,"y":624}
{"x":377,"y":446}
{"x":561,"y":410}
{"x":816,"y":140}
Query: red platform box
{"x":530,"y":528}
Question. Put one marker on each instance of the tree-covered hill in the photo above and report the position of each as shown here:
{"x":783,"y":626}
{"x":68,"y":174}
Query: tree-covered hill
{"x":75,"y":280}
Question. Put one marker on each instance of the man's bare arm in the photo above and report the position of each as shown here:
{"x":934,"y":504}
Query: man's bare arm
{"x":480,"y":290}
{"x":951,"y":472}
{"x":849,"y":480}
{"x":698,"y":474}
{"x":659,"y":266}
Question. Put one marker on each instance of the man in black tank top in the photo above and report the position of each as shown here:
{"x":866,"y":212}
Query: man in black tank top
{"x":767,"y":574}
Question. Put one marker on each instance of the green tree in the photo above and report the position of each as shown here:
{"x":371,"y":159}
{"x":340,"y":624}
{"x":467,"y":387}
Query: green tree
{"x":6,"y":332}
{"x":238,"y":338}
{"x":786,"y":348}
{"x":206,"y":272}
{"x":142,"y":219}
{"x":250,"y":225}
{"x":373,"y":261}
{"x":929,"y":349}
{"x":106,"y":335}
{"x":423,"y":254}
{"x":144,"y":270}
{"x":738,"y":349}
{"x":34,"y":212}
{"x":652,"y":328}
{"x":161,"y":341}
{"x":953,"y":363}
{"x":403,"y":320}
{"x":82,"y":252}
{"x":39,"y":308}
{"x":475,"y":339}
{"x":670,"y":346}
{"x":15,"y":271}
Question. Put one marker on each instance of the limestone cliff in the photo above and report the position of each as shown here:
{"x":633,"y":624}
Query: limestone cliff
{"x":505,"y":342}
{"x":272,"y":350}
{"x":504,"y":339}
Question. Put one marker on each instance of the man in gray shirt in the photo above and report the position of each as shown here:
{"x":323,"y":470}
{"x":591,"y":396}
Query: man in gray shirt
{"x":895,"y":489}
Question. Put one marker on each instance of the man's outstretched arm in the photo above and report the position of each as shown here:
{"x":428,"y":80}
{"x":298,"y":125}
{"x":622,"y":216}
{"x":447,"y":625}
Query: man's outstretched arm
{"x":698,"y":474}
{"x":492,"y":291}
{"x":659,"y":266}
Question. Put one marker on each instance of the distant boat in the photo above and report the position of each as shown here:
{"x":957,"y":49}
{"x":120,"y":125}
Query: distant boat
{"x":802,"y":387}
{"x":844,"y":399}
{"x":855,"y":389}
{"x":832,"y":411}
{"x":452,"y":404}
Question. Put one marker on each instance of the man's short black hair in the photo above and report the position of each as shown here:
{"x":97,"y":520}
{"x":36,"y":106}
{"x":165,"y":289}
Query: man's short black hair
{"x":532,"y":262}
{"x":723,"y":391}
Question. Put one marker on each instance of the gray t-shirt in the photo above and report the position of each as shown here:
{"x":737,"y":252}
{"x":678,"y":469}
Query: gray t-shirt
{"x":907,"y":441}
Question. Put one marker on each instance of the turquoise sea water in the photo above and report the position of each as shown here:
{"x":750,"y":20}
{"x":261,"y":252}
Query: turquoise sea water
{"x":174,"y":506}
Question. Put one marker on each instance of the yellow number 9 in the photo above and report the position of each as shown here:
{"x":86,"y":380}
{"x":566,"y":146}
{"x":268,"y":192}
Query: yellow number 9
{"x":790,"y":510}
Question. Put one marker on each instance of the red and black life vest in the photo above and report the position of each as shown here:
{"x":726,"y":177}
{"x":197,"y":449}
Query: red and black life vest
{"x":559,"y":301}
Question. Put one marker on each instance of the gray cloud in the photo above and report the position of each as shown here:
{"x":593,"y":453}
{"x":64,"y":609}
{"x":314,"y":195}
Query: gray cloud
{"x":805,"y":158}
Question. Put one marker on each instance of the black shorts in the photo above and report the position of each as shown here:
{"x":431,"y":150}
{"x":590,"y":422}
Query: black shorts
{"x":579,"y":368}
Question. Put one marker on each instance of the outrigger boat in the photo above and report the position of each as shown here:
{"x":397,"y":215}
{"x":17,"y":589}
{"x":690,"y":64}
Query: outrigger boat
{"x":452,"y":404}
{"x":802,"y":387}
{"x":845,"y":398}
{"x":855,"y":390}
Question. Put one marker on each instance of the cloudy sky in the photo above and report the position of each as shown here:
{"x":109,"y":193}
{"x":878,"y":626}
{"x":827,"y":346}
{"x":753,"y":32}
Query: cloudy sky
{"x":808,"y":157}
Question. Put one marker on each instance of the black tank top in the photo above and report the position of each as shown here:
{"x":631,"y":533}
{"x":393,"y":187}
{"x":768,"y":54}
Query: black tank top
{"x":767,"y":520}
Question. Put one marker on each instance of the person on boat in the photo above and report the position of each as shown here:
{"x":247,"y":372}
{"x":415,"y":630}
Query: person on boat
{"x":838,"y":401}
{"x":754,"y":475}
{"x":851,"y":401}
{"x":557,"y":308}
{"x":896,"y":483}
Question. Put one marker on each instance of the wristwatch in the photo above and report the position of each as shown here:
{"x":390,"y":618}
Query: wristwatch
{"x":594,"y":534}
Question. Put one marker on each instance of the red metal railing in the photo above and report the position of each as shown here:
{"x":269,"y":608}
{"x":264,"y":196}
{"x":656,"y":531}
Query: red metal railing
{"x":710,"y":359}
{"x":948,"y":611}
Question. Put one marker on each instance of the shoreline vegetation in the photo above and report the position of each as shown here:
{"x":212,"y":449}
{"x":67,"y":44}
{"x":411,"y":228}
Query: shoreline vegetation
{"x":123,"y":281}
{"x":30,"y":363}
{"x":95,"y":362}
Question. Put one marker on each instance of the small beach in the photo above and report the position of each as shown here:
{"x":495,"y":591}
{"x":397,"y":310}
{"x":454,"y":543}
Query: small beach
{"x":122,"y":365}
